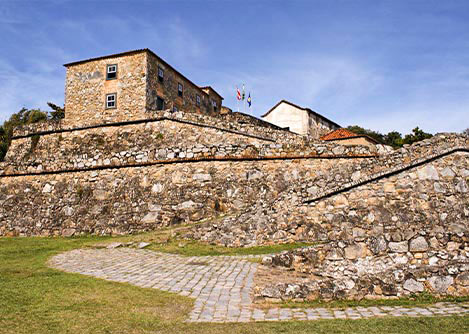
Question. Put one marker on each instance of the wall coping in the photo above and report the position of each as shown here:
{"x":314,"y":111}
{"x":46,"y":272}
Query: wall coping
{"x":193,"y":160}
{"x":201,"y":120}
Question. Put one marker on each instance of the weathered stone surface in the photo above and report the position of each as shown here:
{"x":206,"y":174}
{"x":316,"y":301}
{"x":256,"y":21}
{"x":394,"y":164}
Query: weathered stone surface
{"x":428,"y":173}
{"x":418,"y":244}
{"x":355,"y":251}
{"x":68,"y":232}
{"x":150,"y":217}
{"x":47,"y":188}
{"x":233,"y":301}
{"x":462,"y":187}
{"x":271,"y":292}
{"x":398,"y":247}
{"x":463,"y":279}
{"x":413,"y":286}
{"x":114,"y":245}
{"x":378,"y":245}
{"x":440,"y":284}
{"x":202,"y":177}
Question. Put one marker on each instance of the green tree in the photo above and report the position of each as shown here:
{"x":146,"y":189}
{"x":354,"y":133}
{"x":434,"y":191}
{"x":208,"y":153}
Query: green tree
{"x":57,"y":112}
{"x":23,"y":117}
{"x":393,"y":139}
{"x":3,"y":143}
{"x":416,"y":135}
{"x":362,"y":131}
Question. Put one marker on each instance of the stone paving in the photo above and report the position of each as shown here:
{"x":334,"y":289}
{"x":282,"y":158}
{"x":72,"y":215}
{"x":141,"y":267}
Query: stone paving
{"x":221,"y":285}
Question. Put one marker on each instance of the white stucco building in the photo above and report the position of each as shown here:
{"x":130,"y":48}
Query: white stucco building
{"x":300,"y":120}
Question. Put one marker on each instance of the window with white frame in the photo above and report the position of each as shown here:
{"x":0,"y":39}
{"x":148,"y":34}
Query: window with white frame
{"x":111,"y":72}
{"x":180,"y":89}
{"x":111,"y":101}
{"x":160,"y":74}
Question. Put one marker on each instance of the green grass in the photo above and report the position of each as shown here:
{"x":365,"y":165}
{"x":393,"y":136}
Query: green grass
{"x":195,"y":248}
{"x":169,"y":240}
{"x":416,"y":300}
{"x":37,"y":299}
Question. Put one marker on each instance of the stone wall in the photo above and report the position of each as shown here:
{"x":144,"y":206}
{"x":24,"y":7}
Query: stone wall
{"x":150,"y":143}
{"x":122,"y":145}
{"x":137,"y":87}
{"x":168,"y":90}
{"x":126,"y":200}
{"x":86,"y":88}
{"x":286,"y":218}
{"x":234,"y":122}
{"x":399,"y":235}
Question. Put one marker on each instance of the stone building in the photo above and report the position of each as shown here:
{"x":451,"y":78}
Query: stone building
{"x":303,"y":121}
{"x":124,"y":86}
{"x":347,"y":137}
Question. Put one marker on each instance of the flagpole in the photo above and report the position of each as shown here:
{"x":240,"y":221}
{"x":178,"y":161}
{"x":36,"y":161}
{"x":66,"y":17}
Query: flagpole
{"x":237,"y":100}
{"x":244,"y":100}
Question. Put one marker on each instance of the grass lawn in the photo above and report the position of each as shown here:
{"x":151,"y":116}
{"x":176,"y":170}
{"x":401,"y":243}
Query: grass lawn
{"x":36,"y":299}
{"x":417,"y":300}
{"x":169,"y":240}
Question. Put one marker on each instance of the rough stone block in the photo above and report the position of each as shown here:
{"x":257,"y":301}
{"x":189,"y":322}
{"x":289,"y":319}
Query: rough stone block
{"x":398,"y":247}
{"x":413,"y":286}
{"x":440,"y":284}
{"x":418,"y":244}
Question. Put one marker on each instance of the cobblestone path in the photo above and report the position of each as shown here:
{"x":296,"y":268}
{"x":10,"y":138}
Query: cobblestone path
{"x":221,"y":285}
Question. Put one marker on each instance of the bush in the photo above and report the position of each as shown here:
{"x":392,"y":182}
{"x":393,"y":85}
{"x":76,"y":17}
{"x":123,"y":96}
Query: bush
{"x":22,"y":117}
{"x":393,"y":138}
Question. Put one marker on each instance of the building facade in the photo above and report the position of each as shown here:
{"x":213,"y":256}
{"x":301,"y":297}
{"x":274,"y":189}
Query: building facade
{"x":300,"y":120}
{"x":126,"y":86}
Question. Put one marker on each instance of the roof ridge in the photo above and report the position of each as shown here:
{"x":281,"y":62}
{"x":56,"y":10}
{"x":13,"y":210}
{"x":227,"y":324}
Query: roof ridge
{"x":302,"y":108}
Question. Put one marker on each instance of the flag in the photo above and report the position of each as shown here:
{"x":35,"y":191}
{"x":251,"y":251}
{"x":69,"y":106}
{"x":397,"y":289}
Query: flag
{"x":244,"y":94}
{"x":238,"y":94}
{"x":249,"y":99}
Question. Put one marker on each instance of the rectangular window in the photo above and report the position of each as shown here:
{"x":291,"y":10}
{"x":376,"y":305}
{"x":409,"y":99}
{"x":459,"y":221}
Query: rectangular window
{"x":159,"y":103}
{"x":197,"y":100}
{"x":180,"y":89}
{"x":175,"y":109}
{"x":160,"y":74}
{"x":214,"y":105}
{"x":111,"y":72}
{"x":111,"y":101}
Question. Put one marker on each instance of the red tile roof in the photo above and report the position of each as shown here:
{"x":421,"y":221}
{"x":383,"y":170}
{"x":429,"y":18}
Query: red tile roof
{"x":344,"y":134}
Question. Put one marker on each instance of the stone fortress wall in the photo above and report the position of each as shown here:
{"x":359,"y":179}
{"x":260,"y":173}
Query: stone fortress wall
{"x":171,"y":137}
{"x":285,"y":219}
{"x":399,"y":228}
{"x":389,"y":221}
{"x":398,"y":236}
{"x":137,"y":177}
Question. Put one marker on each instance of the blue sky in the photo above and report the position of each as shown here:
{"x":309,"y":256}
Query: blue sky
{"x":384,"y":65}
